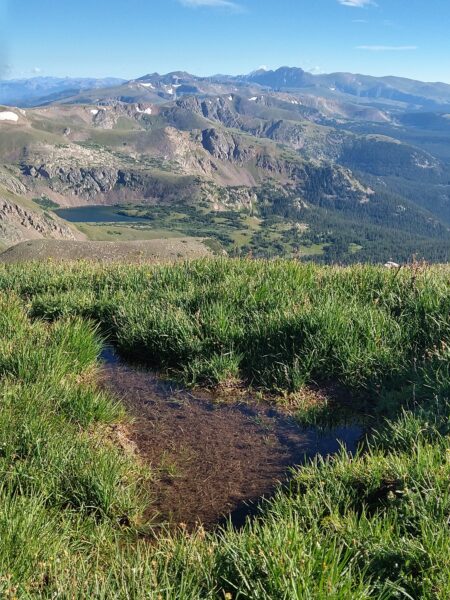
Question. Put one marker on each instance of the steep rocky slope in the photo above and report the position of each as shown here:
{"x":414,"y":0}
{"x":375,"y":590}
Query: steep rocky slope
{"x":18,"y":224}
{"x":21,"y":219}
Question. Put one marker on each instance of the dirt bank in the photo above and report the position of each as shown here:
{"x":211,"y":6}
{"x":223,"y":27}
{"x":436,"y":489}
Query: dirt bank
{"x":106,"y":252}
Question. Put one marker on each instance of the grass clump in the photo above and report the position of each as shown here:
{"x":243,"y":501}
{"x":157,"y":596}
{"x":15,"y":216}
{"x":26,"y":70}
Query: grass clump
{"x":60,"y":478}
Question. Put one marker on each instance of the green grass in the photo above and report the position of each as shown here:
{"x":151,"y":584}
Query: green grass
{"x":128,"y":233}
{"x":62,"y":482}
{"x":46,"y":203}
{"x":312,"y":250}
{"x":71,"y":502}
{"x":354,"y":248}
{"x":280,"y":324}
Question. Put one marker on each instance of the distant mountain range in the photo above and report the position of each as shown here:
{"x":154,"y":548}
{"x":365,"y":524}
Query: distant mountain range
{"x":384,"y":91}
{"x":395,"y":89}
{"x":30,"y":92}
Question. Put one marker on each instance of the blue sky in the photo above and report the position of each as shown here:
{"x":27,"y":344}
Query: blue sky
{"x":129,"y":38}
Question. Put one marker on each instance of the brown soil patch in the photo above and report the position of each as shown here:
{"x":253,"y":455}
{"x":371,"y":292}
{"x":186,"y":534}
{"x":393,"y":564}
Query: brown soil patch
{"x":210,"y":458}
{"x":106,"y":252}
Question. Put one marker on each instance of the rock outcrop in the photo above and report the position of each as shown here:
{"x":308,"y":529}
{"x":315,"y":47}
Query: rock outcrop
{"x":18,"y":224}
{"x":12,"y":184}
{"x":225,"y":146}
{"x":79,"y":181}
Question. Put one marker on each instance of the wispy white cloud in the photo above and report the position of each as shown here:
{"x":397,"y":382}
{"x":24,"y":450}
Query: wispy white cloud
{"x":227,"y":4}
{"x":356,"y":3}
{"x":360,"y":21}
{"x":387,"y":48}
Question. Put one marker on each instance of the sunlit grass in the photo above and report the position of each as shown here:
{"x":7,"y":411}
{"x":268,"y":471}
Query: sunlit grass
{"x":276,"y":325}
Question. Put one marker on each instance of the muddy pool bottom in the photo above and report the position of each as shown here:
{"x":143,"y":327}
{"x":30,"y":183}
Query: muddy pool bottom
{"x":213,"y":460}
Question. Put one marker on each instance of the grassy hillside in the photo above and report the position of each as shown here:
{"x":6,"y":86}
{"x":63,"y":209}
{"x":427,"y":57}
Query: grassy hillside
{"x":71,"y":500}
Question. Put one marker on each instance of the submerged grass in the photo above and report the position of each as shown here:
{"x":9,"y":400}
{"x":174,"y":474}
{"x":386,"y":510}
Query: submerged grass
{"x":374,"y":525}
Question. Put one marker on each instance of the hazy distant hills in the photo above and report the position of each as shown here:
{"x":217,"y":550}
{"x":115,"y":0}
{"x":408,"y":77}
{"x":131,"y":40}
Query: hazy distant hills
{"x":31,"y":92}
{"x":396,"y":89}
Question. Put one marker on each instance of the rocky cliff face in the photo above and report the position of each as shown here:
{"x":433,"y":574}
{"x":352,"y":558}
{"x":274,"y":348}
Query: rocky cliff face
{"x":12,"y":184}
{"x":220,"y":110}
{"x":18,"y":224}
{"x":317,"y":143}
{"x":164,"y":163}
{"x":200,"y":158}
{"x":78,"y":181}
{"x":303,"y":135}
{"x":225,"y":146}
{"x":110,"y":185}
